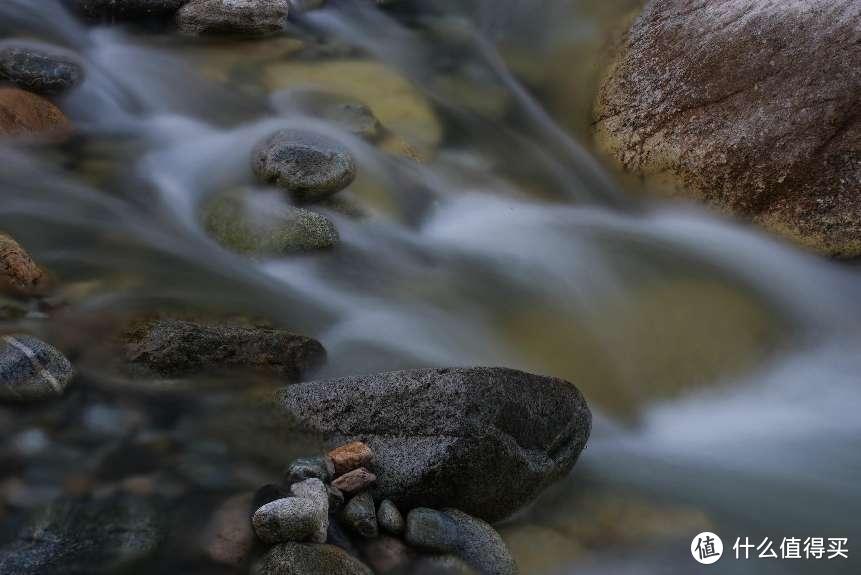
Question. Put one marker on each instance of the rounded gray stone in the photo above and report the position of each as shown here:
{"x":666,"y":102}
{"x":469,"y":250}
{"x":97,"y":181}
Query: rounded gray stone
{"x":308,"y":559}
{"x":390,"y":518}
{"x":360,"y":516}
{"x":314,"y":490}
{"x":242,"y":17}
{"x":32,"y":370}
{"x":41,"y":69}
{"x":290,"y":519}
{"x":310,"y":166}
{"x":484,"y":440}
{"x":431,"y":530}
{"x":480,"y":546}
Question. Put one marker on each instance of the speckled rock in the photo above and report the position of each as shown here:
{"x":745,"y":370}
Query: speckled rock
{"x":32,"y":370}
{"x":248,"y":224}
{"x":307,"y":559}
{"x":748,"y":106}
{"x":23,"y":114}
{"x":316,"y":491}
{"x":354,"y":481}
{"x":39,"y":68}
{"x":310,"y":166}
{"x":83,"y":536}
{"x":431,"y":530}
{"x":242,"y":17}
{"x":439,"y":434}
{"x":360,"y":516}
{"x":390,"y":518}
{"x":290,"y":519}
{"x":172,"y":348}
{"x":309,"y":467}
{"x":480,"y":546}
{"x":19,"y":274}
{"x":351,"y":456}
{"x":110,"y":10}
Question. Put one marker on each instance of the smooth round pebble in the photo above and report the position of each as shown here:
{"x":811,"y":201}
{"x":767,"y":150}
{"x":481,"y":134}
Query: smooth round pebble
{"x":44,"y":70}
{"x":360,"y":516}
{"x":390,"y":518}
{"x":310,"y":166}
{"x":431,"y":530}
{"x":289,"y":519}
{"x":31,"y":370}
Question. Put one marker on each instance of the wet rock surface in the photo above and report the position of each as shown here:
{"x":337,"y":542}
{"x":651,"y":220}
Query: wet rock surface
{"x":82,"y":536}
{"x":110,"y":10}
{"x":351,"y":456}
{"x":750,"y":107}
{"x":244,"y":225}
{"x":24,"y":114}
{"x":390,"y":518}
{"x":360,"y":516}
{"x":32,"y":370}
{"x":354,"y":481}
{"x":38,"y":68}
{"x":173,"y":348}
{"x":241,"y":17}
{"x":305,"y":558}
{"x":19,"y":274}
{"x":289,"y":519}
{"x":310,"y":166}
{"x":438,"y":434}
{"x":309,"y":468}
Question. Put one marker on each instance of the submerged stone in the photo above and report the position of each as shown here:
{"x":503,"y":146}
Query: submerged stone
{"x":31,"y":370}
{"x":19,"y":274}
{"x":173,"y":348}
{"x":310,"y":166}
{"x":45,"y":70}
{"x":23,"y":114}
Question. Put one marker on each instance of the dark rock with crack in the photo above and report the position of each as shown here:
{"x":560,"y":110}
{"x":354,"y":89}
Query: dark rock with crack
{"x":32,"y":370}
{"x":748,"y":106}
{"x":439,"y":434}
{"x":39,"y":68}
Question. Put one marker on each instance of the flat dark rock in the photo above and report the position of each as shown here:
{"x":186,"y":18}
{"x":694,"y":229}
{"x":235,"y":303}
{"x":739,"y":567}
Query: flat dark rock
{"x":176,"y":347}
{"x":44,"y":70}
{"x":484,"y":440}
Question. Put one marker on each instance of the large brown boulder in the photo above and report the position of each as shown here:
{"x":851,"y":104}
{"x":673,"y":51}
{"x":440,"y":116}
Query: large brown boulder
{"x":751,"y":106}
{"x":26,"y":114}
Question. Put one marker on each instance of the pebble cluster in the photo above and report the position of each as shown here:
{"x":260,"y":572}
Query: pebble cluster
{"x":329,"y":499}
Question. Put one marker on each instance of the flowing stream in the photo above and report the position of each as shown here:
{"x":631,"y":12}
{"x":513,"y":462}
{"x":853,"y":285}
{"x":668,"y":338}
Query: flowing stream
{"x":722,"y":366}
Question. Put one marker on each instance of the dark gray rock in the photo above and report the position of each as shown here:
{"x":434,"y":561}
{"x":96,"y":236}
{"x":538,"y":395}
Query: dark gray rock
{"x":307,"y":559}
{"x":173,"y":348}
{"x":314,"y":490}
{"x":387,"y":554}
{"x":390,"y":518}
{"x":110,"y":10}
{"x":38,"y":68}
{"x":290,"y":519}
{"x":245,"y":223}
{"x":336,"y":497}
{"x":360,"y":516}
{"x":431,"y":530}
{"x":309,"y":467}
{"x":242,"y":17}
{"x":85,"y":537}
{"x":480,"y":546}
{"x":470,"y":539}
{"x":310,"y":166}
{"x":32,"y":370}
{"x":487,"y":440}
